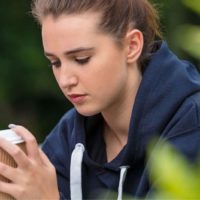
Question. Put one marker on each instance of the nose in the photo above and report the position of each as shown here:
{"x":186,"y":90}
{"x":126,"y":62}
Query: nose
{"x":66,"y":78}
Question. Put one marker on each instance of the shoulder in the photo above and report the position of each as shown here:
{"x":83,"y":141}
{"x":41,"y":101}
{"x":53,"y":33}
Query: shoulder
{"x":59,"y":138}
{"x":65,"y":124}
{"x":196,"y":100}
{"x":186,"y":118}
{"x":183,"y":131}
{"x":189,"y":111}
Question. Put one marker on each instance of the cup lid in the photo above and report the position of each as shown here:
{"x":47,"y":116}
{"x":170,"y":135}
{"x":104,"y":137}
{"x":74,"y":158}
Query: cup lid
{"x":11,"y":136}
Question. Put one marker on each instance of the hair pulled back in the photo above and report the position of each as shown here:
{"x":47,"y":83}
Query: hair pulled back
{"x":117,"y":17}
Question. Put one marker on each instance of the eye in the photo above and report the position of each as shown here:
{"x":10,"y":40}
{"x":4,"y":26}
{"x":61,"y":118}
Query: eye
{"x":82,"y":60}
{"x":55,"y":64}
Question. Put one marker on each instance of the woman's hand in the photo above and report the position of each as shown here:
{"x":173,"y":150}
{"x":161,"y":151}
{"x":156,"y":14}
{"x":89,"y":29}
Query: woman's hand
{"x":35,"y":177}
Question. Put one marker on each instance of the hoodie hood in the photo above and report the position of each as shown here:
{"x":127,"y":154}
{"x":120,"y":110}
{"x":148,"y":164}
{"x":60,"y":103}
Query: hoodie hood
{"x":166,"y":83}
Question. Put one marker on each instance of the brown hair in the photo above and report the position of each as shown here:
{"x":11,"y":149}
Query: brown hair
{"x":117,"y":17}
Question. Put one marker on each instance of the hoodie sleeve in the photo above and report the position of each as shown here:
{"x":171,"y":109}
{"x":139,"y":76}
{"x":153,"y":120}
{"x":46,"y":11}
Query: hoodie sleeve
{"x":183,"y":131}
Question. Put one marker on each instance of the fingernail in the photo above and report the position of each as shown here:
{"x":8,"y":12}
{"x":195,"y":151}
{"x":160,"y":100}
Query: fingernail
{"x":11,"y":126}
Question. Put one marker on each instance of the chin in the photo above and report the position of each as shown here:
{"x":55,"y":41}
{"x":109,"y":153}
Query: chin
{"x":87,"y":112}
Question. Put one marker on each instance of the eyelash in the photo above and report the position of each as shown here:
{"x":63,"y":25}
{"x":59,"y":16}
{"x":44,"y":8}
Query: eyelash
{"x":80,"y":61}
{"x":55,"y":63}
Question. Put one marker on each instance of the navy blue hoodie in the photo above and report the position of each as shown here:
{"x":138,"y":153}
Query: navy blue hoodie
{"x":167,"y":105}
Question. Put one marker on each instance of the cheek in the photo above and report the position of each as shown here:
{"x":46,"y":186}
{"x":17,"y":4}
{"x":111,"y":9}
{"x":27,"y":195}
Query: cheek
{"x":108,"y":78}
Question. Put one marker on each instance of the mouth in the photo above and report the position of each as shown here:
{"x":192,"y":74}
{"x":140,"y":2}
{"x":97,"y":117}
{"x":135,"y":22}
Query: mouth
{"x":77,"y":98}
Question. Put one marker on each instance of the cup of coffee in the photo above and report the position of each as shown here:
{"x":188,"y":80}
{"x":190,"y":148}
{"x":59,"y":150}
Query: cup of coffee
{"x":12,"y":137}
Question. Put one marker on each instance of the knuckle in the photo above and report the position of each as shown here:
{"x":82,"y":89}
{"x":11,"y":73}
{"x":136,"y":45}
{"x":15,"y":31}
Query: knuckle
{"x":49,"y":168}
{"x":20,"y":193}
{"x":31,"y":140}
{"x":16,"y":152}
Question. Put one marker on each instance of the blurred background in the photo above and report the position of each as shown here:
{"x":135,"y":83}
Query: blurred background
{"x":29,"y":94}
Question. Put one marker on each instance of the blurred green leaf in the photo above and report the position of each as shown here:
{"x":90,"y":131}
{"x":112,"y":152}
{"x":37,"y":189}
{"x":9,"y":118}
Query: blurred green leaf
{"x":193,"y":4}
{"x":188,"y":38}
{"x":172,"y":175}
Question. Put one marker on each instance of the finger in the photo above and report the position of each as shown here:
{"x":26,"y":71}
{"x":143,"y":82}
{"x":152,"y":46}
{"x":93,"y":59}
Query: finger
{"x":44,"y":158}
{"x":8,"y":172}
{"x":8,"y":188}
{"x":15,"y":152}
{"x":31,"y":143}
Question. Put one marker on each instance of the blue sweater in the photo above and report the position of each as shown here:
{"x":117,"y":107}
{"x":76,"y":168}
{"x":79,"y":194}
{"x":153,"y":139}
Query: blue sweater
{"x":167,"y":105}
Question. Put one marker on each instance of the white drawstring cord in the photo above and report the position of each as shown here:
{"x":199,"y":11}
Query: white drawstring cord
{"x":123,"y":173}
{"x":75,"y":172}
{"x":76,"y":175}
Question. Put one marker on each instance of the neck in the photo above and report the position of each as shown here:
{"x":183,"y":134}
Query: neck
{"x":117,"y":118}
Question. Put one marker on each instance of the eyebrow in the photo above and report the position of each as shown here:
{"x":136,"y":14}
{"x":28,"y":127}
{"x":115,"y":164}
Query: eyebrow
{"x":73,"y":51}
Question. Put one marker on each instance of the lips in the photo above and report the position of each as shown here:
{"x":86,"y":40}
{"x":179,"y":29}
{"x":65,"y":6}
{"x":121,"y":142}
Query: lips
{"x":77,"y":98}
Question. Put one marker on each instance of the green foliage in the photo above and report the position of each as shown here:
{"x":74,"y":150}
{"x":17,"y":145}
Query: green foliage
{"x":188,"y":35}
{"x":188,"y":38}
{"x":172,"y":175}
{"x":29,"y":94}
{"x":193,"y":4}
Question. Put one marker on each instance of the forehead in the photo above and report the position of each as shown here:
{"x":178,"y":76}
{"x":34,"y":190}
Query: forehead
{"x":73,"y":29}
{"x":72,"y":22}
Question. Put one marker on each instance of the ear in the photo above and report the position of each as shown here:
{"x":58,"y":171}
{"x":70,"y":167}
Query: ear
{"x":135,"y":42}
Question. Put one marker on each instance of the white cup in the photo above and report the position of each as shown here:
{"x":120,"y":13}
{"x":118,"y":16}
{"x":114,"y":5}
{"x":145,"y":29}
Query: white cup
{"x":11,"y":136}
{"x":5,"y":158}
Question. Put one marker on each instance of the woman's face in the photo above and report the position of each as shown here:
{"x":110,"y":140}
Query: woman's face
{"x":90,"y":68}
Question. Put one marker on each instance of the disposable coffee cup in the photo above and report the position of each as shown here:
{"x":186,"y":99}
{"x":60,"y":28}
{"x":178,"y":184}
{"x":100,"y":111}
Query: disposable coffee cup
{"x":12,"y":137}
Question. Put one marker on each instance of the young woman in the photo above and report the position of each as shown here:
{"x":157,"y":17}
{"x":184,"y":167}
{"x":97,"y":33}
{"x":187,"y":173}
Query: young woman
{"x":126,"y":87}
